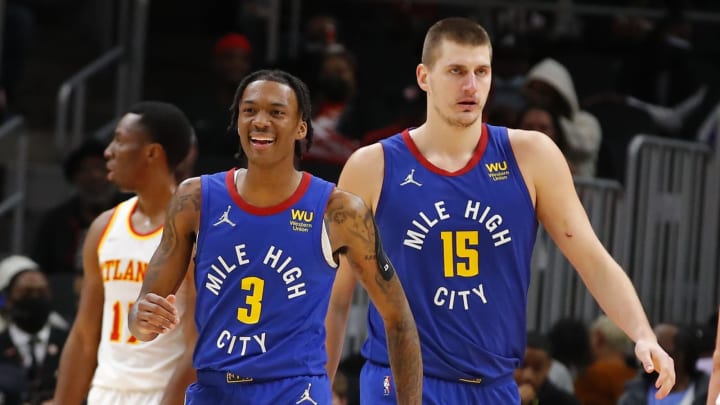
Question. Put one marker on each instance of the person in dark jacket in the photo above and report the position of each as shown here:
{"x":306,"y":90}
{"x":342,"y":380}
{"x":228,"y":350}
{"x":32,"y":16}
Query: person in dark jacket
{"x":532,"y":376}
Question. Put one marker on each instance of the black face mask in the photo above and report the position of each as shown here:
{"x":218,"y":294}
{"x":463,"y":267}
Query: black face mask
{"x":30,"y":313}
{"x":335,"y":89}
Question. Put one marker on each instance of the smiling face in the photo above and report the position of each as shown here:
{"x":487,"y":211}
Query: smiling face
{"x":269,"y":123}
{"x":457,"y":83}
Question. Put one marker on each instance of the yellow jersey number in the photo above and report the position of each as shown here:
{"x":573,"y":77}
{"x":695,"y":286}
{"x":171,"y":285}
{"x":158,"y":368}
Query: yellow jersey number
{"x":255,"y":287}
{"x":460,"y":254}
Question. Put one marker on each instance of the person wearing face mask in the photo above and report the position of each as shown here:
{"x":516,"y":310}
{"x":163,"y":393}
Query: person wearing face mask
{"x":31,"y":343}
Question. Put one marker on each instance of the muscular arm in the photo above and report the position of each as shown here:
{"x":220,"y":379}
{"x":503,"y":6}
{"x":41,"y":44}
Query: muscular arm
{"x":353,"y":233}
{"x":362,"y":175}
{"x":79,"y":356}
{"x":184,"y":374}
{"x":560,"y":211}
{"x":154,"y":311}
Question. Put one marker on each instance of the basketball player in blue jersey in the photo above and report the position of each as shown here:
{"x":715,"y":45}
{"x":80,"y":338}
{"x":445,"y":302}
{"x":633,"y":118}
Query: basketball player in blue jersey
{"x":457,"y":203}
{"x":101,"y":359}
{"x":268,"y":240}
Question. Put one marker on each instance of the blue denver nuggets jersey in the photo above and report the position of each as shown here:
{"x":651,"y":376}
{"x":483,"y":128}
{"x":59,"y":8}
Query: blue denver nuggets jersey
{"x":263,"y":282}
{"x":461,"y":244}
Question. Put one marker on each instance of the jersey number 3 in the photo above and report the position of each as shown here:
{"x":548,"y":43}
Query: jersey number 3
{"x":460,"y":254}
{"x":255,"y":287}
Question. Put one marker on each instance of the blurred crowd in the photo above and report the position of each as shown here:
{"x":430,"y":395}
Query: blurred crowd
{"x":589,"y":84}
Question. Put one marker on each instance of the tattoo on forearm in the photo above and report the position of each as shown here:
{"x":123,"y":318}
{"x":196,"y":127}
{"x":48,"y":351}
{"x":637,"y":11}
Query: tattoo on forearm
{"x":405,"y":359}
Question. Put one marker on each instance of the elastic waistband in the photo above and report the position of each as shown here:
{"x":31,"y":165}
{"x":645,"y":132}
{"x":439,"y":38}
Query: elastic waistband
{"x":219,"y":378}
{"x":212,"y":377}
{"x":480,"y":381}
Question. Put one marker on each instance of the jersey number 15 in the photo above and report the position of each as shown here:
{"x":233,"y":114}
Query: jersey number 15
{"x":460,"y":254}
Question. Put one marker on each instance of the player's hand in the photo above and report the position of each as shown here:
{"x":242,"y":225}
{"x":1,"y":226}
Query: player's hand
{"x":156,"y":314}
{"x":653,"y":358}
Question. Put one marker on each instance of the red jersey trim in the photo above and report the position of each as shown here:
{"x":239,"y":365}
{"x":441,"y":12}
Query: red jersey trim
{"x":477,"y":154}
{"x":275,"y":209}
{"x":106,"y":228}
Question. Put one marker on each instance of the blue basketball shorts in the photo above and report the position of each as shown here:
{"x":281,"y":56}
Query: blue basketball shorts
{"x":378,"y":388}
{"x":216,"y":388}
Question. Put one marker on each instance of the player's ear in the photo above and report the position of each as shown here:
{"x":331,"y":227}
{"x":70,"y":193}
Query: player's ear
{"x":155,"y":151}
{"x":302,"y":130}
{"x":421,"y":72}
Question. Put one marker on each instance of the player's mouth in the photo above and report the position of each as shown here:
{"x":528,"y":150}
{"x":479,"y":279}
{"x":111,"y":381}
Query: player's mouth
{"x":468,"y":104}
{"x":262,"y":140}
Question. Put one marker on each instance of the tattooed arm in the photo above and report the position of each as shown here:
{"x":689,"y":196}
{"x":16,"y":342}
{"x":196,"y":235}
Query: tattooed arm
{"x":154,"y":311}
{"x":353,"y":234}
{"x":362,"y":175}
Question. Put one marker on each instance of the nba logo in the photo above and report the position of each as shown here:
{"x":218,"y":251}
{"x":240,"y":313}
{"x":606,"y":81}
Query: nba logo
{"x":386,"y":385}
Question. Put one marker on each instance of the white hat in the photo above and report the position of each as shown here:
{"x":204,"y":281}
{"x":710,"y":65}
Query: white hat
{"x":13,"y":265}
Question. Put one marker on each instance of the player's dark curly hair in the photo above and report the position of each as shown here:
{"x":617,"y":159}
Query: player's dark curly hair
{"x":302,"y":93}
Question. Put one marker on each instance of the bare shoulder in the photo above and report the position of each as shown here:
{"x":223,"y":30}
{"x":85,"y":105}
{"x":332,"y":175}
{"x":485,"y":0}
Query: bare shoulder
{"x":347,"y":218}
{"x":345,"y":203}
{"x":189,"y":185}
{"x":363,"y":173}
{"x":533,"y":149}
{"x":524,"y":141}
{"x":368,"y":154}
{"x":98,"y":225}
{"x":187,"y":196}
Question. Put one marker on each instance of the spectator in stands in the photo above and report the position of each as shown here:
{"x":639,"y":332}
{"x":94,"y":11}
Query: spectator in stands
{"x":59,"y":237}
{"x":549,"y":83}
{"x":532,"y":376}
{"x":319,"y":38}
{"x":691,"y":385}
{"x":570,"y":345}
{"x":207,"y":111}
{"x":19,"y":25}
{"x":602,"y":383}
{"x":333,"y":114}
{"x":543,"y":119}
{"x":31,"y":343}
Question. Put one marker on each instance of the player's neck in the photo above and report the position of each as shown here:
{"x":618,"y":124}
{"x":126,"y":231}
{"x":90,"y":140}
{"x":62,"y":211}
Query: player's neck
{"x":447,"y":140}
{"x":264,"y":187}
{"x":155,"y":196}
{"x":447,"y":147}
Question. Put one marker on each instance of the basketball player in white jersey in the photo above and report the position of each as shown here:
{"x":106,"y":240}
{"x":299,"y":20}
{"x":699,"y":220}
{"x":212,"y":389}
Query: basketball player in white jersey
{"x":101,"y":359}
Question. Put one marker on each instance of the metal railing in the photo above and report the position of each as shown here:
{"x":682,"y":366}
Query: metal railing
{"x":663,"y":222}
{"x":128,"y":56}
{"x":15,"y":200}
{"x":556,"y":291}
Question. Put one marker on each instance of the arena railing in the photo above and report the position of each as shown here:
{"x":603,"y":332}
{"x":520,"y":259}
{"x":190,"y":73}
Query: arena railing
{"x":556,"y":292}
{"x":127,"y":55}
{"x":663,"y":224}
{"x":15,"y":127}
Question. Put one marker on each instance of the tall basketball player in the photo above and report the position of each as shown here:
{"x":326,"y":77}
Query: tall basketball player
{"x":101,"y":355}
{"x":457,"y":203}
{"x":268,"y":242}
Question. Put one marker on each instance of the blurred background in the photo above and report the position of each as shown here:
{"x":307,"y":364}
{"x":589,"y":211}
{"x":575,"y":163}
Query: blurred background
{"x":627,"y":88}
